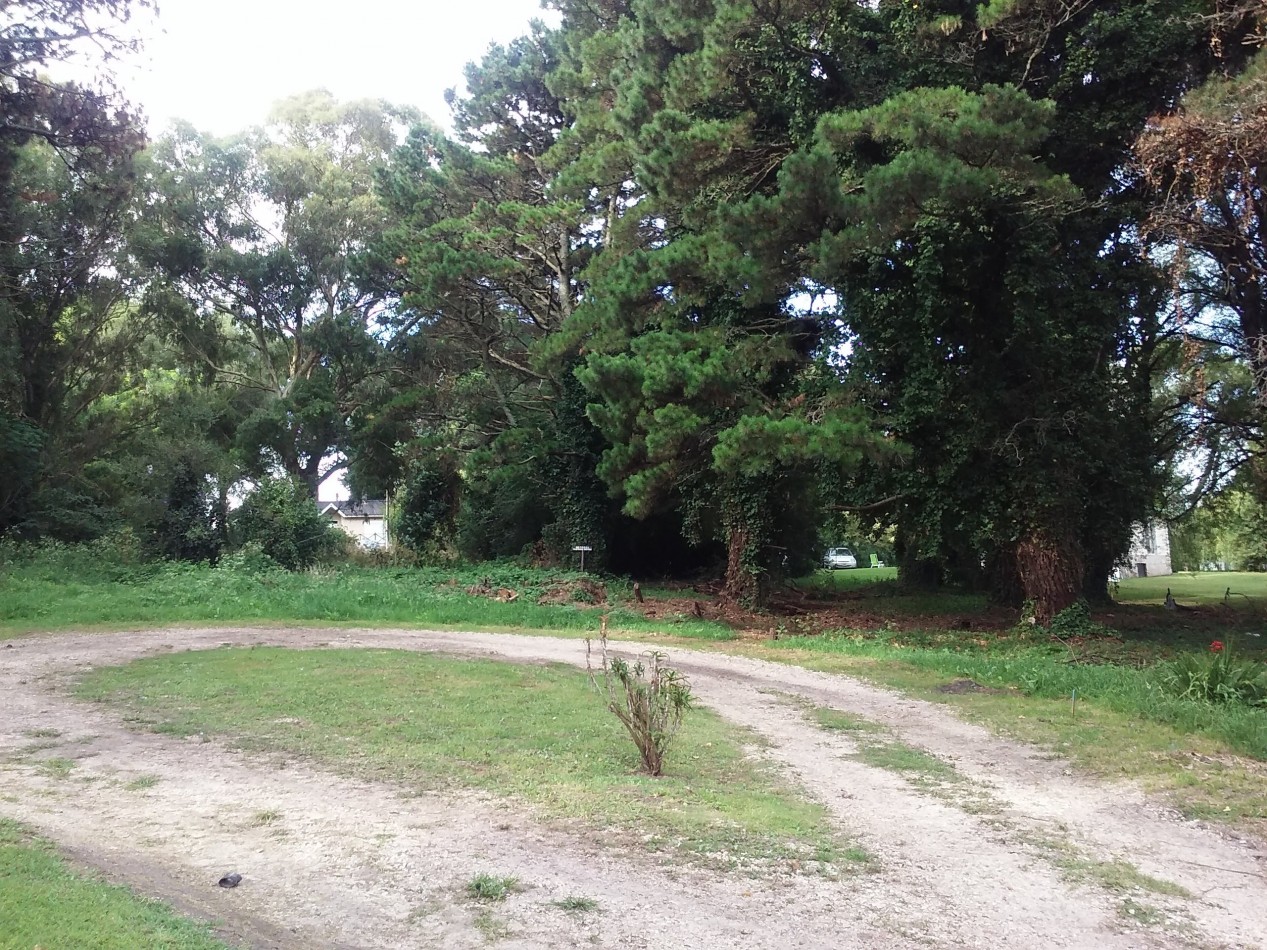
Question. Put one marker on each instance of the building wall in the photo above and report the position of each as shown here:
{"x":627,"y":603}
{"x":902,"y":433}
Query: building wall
{"x":368,"y":532}
{"x":1150,"y":551}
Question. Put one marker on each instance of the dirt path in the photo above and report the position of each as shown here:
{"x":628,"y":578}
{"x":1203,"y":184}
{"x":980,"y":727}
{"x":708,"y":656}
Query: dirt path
{"x":346,"y":863}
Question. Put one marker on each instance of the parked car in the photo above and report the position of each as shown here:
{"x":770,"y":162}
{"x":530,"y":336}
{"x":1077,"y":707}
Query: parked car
{"x":839,"y":559}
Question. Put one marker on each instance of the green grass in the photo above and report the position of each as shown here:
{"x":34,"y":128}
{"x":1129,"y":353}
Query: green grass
{"x":535,"y":733}
{"x":1208,"y":588}
{"x":44,"y":903}
{"x":1047,"y":670}
{"x":49,"y":594}
{"x":854,"y":579}
{"x":877,"y":589}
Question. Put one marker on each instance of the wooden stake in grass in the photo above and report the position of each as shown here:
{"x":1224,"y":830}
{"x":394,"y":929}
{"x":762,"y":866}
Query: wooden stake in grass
{"x":649,"y":698}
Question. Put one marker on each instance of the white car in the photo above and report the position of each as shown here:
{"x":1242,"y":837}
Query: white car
{"x":839,"y":559}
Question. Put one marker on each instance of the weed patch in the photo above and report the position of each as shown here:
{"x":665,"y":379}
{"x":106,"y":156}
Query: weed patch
{"x":57,"y":767}
{"x":579,"y":905}
{"x":489,"y":888}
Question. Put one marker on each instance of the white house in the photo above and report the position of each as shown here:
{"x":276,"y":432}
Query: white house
{"x":1149,"y":555}
{"x":366,"y":521}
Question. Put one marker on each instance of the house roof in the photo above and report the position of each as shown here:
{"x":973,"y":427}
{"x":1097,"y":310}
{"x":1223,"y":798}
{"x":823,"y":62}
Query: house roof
{"x":370,"y":508}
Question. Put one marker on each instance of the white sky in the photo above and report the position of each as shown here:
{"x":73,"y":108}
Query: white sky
{"x":221,"y":64}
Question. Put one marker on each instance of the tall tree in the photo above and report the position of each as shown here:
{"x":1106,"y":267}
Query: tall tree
{"x":65,"y":166}
{"x":955,"y":176}
{"x":1204,"y":158}
{"x":486,"y":258}
{"x":257,"y":241}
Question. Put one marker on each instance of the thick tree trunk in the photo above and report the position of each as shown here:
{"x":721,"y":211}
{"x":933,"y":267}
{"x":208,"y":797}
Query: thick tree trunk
{"x":743,"y":584}
{"x":1051,"y":574}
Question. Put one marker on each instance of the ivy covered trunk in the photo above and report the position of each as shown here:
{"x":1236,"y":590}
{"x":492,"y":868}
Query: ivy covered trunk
{"x":742,"y":584}
{"x":1051,"y":573}
{"x":746,"y":517}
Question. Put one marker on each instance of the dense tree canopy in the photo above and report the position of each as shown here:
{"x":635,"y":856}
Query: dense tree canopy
{"x":687,"y":282}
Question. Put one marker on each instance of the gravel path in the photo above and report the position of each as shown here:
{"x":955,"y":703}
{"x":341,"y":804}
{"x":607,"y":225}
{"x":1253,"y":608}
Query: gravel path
{"x":347,"y":863}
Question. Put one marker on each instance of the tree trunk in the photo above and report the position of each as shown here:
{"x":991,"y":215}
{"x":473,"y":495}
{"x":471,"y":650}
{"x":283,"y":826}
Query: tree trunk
{"x":1051,"y":574}
{"x":743,"y":584}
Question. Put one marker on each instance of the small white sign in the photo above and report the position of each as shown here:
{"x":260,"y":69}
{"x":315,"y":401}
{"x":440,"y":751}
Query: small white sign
{"x":582,"y":547}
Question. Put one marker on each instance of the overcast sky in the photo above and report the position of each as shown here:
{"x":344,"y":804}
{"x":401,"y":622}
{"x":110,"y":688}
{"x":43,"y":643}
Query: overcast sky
{"x":222,"y":63}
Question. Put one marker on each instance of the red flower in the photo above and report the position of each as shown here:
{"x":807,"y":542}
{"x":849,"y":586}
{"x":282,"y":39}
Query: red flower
{"x":1216,"y":646}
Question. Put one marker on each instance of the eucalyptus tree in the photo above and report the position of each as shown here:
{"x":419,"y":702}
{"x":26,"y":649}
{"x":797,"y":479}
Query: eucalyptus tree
{"x":256,"y":242}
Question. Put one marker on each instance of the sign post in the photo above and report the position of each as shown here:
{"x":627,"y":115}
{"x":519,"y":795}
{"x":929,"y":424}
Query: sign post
{"x":582,"y":548}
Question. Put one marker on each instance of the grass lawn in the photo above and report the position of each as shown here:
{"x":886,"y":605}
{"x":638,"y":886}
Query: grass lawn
{"x":537,"y":734}
{"x":1207,"y":588}
{"x":43,"y":903}
{"x":77,"y":591}
{"x":853,"y":579}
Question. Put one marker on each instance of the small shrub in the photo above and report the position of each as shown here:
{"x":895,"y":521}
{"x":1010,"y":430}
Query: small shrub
{"x":1216,"y":677}
{"x":649,"y":698}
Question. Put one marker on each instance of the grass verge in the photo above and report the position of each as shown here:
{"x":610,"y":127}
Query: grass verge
{"x":1204,"y":756}
{"x":48,"y":595}
{"x":44,"y":903}
{"x":535,"y":733}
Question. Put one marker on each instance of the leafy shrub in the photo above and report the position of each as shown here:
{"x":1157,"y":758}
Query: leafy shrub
{"x":1216,"y":677}
{"x":116,"y":557}
{"x":250,"y":559}
{"x":1075,"y":621}
{"x":649,"y":699}
{"x":283,"y":520}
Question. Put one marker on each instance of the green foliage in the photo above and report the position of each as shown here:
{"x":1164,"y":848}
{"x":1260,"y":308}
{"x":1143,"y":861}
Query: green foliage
{"x":425,"y":506}
{"x":1229,"y":528}
{"x":283,"y":310}
{"x":281,"y":517}
{"x":187,"y":529}
{"x":649,"y":699}
{"x":1216,"y":677}
{"x":1074,"y":621}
